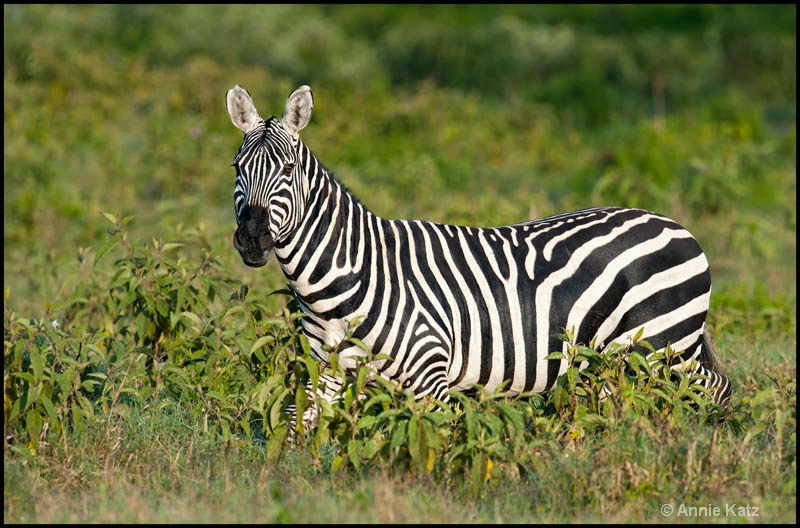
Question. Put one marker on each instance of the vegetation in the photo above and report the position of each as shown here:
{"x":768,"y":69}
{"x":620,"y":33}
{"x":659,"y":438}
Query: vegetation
{"x":146,"y":369}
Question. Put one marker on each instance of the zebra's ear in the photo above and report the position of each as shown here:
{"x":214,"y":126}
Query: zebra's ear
{"x":241,"y":109}
{"x":298,"y":110}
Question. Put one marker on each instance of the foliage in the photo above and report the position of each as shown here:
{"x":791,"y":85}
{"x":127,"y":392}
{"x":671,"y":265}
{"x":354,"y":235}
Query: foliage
{"x":151,"y":333}
{"x":173,"y":336}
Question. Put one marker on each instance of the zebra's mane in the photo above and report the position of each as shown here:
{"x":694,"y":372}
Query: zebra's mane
{"x":335,"y":179}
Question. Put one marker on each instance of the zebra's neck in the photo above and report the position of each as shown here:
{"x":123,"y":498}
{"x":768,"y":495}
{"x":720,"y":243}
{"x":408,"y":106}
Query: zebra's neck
{"x":328,"y":257}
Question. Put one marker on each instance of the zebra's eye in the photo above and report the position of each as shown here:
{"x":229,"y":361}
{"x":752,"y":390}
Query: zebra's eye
{"x":288,"y":168}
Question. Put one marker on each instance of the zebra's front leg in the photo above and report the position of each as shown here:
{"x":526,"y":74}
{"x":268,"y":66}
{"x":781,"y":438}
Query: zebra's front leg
{"x":425,"y":372}
{"x":329,"y":389}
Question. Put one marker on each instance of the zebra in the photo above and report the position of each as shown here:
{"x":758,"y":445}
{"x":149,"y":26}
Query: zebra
{"x":455,"y":307}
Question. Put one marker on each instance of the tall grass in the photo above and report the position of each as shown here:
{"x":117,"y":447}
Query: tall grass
{"x":169,"y":402}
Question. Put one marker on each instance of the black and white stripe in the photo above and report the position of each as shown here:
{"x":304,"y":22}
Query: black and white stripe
{"x":455,"y":306}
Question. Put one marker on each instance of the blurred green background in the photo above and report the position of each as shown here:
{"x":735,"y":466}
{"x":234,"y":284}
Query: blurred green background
{"x":141,"y":386}
{"x":478,"y":115}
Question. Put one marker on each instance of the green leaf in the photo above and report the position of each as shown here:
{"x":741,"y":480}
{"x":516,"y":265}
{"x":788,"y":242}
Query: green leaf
{"x":361,"y":379}
{"x":478,"y":473}
{"x":88,"y":385}
{"x":27,"y":376}
{"x":511,"y":415}
{"x":162,"y":308}
{"x":375,"y":400}
{"x":276,"y":441}
{"x":472,"y":423}
{"x":216,"y":395}
{"x":754,"y":431}
{"x":305,"y":344}
{"x":353,"y":453}
{"x":398,"y":435}
{"x":338,"y":463}
{"x":51,"y":412}
{"x":111,"y":217}
{"x":33,"y":424}
{"x":366,"y":422}
{"x":36,"y":363}
{"x":275,"y":410}
{"x":192,"y":317}
{"x":301,"y":403}
{"x":359,"y":343}
{"x":170,"y":246}
{"x":260,"y":342}
{"x":572,"y":377}
{"x":104,"y":248}
{"x":413,"y":438}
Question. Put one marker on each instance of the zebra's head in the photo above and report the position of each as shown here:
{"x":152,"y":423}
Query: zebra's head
{"x":268,"y":183}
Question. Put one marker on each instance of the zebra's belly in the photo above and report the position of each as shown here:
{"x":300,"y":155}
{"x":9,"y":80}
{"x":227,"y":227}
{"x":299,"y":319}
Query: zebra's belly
{"x":515,"y":360}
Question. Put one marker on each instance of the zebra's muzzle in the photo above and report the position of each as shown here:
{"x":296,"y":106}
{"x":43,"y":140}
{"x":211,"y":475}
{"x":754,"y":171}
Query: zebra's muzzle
{"x":252,"y":238}
{"x":255,"y":252}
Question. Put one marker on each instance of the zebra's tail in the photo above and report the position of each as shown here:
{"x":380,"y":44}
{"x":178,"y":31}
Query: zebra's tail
{"x":719,"y":385}
{"x":708,"y":355}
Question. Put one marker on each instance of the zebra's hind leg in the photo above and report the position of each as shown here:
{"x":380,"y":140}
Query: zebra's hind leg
{"x":718,"y":385}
